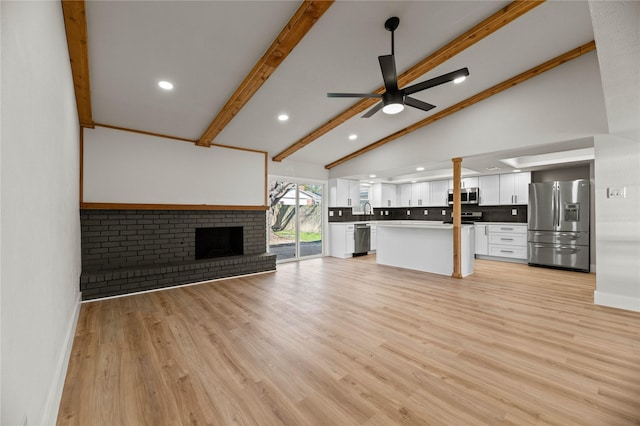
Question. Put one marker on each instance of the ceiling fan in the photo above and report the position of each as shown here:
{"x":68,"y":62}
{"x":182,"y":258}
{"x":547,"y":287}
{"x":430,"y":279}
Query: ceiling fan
{"x":394,"y":99}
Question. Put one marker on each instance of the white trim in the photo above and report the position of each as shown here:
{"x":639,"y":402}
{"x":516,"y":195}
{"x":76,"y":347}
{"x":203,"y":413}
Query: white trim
{"x":50,"y":415}
{"x":616,"y":301}
{"x":176,"y":286}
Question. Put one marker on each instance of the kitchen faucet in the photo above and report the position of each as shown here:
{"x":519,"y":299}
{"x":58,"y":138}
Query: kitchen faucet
{"x":365,"y":208}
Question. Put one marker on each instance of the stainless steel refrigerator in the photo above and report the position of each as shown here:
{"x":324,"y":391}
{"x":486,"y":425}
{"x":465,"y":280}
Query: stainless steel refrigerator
{"x":558,"y":219}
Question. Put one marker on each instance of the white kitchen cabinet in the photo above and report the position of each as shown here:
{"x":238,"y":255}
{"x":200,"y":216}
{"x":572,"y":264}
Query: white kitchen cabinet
{"x":514,"y":188}
{"x":383,"y":195}
{"x":467,"y":182}
{"x":342,"y":239}
{"x":489,"y":187}
{"x":404,"y":195}
{"x":420,"y":194}
{"x":439,"y":192}
{"x":373,"y":243}
{"x":507,"y":240}
{"x":482,"y":239}
{"x":344,"y":193}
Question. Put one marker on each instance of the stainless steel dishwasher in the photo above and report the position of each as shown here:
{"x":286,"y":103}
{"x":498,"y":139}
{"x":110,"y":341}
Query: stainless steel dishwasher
{"x":362,"y":236}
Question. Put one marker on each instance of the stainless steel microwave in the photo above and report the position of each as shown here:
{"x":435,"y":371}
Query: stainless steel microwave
{"x":467,"y":196}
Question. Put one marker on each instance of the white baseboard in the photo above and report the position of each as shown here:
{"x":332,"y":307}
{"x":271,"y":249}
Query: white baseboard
{"x":616,"y":301}
{"x":50,"y":415}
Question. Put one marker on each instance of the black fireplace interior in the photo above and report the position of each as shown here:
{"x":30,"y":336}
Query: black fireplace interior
{"x":219,"y":242}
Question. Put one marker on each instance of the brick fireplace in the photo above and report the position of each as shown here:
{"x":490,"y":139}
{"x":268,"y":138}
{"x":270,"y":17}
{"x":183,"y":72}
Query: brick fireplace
{"x":127,"y":251}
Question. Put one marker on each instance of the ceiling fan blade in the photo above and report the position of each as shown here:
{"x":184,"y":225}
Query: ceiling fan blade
{"x":353,"y":95}
{"x":388,"y":67}
{"x":373,"y":110}
{"x":445,"y":78}
{"x":418,"y":103}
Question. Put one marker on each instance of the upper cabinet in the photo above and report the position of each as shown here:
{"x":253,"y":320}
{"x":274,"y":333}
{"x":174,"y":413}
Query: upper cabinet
{"x":383,"y":195}
{"x":489,"y":190}
{"x":404,"y":195}
{"x":344,"y":193}
{"x":468,"y":182}
{"x":414,"y":194}
{"x":439,"y":192}
{"x":514,"y":188}
{"x":420,"y":194}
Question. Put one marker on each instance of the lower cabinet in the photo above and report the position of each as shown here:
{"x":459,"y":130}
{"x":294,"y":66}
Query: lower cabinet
{"x":342,"y":240}
{"x":508,"y":241}
{"x":482,"y":240}
{"x":373,"y":244}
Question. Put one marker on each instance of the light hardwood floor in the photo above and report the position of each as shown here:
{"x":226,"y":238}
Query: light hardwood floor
{"x":348,"y":342}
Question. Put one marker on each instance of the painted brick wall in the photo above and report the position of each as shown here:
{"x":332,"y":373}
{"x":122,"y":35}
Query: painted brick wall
{"x":126,"y":251}
{"x":126,"y":238}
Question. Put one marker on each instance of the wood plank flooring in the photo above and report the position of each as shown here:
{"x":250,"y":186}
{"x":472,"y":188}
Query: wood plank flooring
{"x":348,"y":342}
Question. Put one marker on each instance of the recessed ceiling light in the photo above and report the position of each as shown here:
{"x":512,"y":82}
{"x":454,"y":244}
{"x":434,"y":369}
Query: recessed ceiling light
{"x":353,"y":137}
{"x":419,"y":169}
{"x":165,"y":85}
{"x":414,"y":181}
{"x":283,"y":117}
{"x":459,"y":80}
{"x":516,"y":170}
{"x":492,"y":168}
{"x":372,"y":176}
{"x":371,"y":181}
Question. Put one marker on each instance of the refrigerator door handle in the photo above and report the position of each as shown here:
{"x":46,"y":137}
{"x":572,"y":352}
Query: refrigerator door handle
{"x":569,"y":248}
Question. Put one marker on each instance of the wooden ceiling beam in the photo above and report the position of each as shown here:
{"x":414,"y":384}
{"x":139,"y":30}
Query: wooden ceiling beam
{"x":490,"y":25}
{"x":546,"y":66}
{"x":75,"y":24}
{"x":300,"y":23}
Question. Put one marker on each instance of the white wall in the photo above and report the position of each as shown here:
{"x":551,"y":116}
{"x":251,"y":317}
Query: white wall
{"x":617,"y":166}
{"x":127,"y":167}
{"x":298,"y":169}
{"x":40,"y":247}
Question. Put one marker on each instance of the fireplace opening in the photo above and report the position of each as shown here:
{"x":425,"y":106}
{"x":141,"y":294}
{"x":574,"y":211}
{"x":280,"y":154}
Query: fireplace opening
{"x":219,"y":242}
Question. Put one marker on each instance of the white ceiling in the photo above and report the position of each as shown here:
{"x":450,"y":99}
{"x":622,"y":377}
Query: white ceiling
{"x":207,"y":48}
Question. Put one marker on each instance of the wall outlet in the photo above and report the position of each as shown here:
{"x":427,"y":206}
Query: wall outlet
{"x":426,"y":212}
{"x":514,"y":212}
{"x":408,"y":212}
{"x":617,"y":192}
{"x":330,"y":214}
{"x":444,"y":212}
{"x":339,"y":212}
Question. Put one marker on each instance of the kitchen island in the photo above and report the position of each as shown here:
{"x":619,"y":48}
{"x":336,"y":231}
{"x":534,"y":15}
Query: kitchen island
{"x":424,"y":246}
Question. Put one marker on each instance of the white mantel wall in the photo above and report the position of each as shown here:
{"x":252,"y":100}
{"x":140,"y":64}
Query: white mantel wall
{"x":40,"y":246}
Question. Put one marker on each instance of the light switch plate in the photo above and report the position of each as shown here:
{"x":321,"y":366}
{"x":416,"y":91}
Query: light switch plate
{"x":408,"y":212}
{"x":339,"y":212}
{"x":426,"y":212}
{"x":386,"y":212}
{"x":514,"y":212}
{"x":331,"y":214}
{"x":444,"y":212}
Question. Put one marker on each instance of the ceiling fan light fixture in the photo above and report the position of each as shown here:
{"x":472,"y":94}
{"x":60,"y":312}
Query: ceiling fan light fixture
{"x":392,"y":108}
{"x":393,"y":102}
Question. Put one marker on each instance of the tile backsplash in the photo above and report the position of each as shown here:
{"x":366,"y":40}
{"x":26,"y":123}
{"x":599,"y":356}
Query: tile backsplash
{"x":489,"y":213}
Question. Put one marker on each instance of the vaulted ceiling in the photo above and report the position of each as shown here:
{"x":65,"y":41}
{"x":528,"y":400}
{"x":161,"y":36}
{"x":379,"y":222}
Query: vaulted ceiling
{"x":237,"y":65}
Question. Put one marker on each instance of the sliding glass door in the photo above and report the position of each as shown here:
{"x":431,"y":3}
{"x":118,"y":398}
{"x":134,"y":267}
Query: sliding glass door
{"x":295,"y":219}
